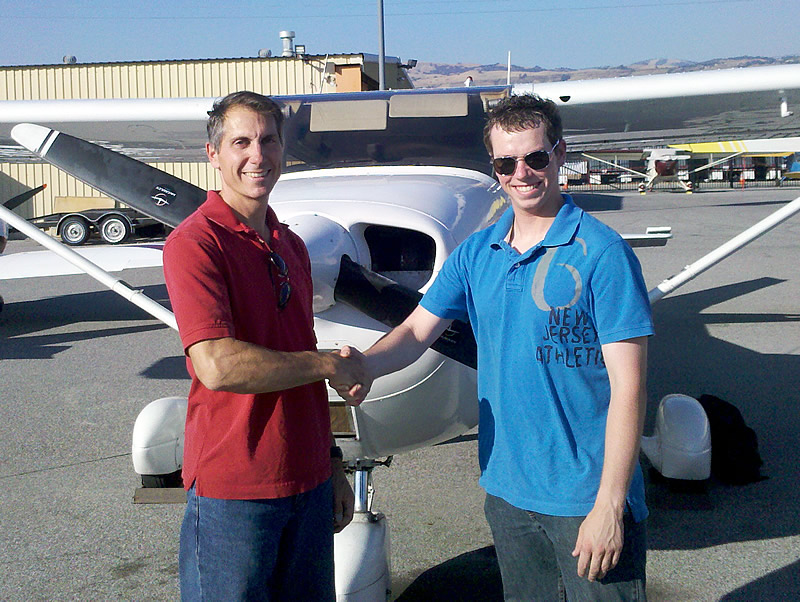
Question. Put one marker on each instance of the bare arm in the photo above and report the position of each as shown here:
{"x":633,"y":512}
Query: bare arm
{"x":397,"y":349}
{"x":228,"y":364}
{"x":601,"y":535}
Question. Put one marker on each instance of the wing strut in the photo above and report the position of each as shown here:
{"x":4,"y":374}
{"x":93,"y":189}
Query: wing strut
{"x":390,"y":303}
{"x":638,"y":173}
{"x":714,"y":257}
{"x":717,"y":162}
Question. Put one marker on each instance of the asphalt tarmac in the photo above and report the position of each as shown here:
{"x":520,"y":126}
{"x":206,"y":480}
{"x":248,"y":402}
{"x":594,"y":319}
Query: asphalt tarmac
{"x":79,"y":363}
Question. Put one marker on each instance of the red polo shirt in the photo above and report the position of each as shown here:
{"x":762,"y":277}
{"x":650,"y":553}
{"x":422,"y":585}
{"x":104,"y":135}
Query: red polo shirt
{"x":222,"y":283}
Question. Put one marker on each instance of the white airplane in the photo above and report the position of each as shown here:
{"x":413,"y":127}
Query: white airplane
{"x":662,"y":166}
{"x":663,"y":163}
{"x":382,"y":186}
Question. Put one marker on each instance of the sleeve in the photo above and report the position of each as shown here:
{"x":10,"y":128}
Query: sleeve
{"x":447,"y":296}
{"x":197,"y":289}
{"x":619,"y":295}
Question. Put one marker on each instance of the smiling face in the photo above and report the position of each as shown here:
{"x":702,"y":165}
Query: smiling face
{"x":249,"y":158}
{"x":534,"y":192}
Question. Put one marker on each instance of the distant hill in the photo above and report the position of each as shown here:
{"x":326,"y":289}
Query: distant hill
{"x":440,"y":75}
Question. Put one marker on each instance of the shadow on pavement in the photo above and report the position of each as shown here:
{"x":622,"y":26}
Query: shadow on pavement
{"x":685,"y":358}
{"x":597,"y":202}
{"x":471,"y":576}
{"x":774,"y":586}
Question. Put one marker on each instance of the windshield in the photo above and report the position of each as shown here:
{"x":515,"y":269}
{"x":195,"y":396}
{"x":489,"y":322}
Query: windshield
{"x":439,"y":127}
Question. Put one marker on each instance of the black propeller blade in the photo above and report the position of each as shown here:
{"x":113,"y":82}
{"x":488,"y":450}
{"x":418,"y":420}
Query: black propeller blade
{"x":16,"y":201}
{"x":169,"y":199}
{"x":155,"y":193}
{"x":390,"y":303}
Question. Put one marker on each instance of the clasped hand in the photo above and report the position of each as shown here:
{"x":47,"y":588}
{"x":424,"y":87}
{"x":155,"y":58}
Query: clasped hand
{"x":351,"y":379}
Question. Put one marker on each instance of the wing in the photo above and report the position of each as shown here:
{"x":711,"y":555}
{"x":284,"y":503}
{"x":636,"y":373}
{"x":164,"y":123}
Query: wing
{"x":762,"y":147}
{"x":428,"y":127}
{"x":656,"y":110}
{"x":442,"y":127}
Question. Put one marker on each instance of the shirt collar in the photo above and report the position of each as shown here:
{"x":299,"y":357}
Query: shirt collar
{"x":218,"y":211}
{"x":561,"y":231}
{"x":565,"y":225}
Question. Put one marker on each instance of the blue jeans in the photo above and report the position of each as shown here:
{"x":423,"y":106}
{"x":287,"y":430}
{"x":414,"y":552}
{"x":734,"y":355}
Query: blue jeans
{"x":270,"y":549}
{"x":536,"y":563}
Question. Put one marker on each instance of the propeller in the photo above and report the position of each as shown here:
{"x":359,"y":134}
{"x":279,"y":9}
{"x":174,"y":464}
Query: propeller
{"x":153,"y":192}
{"x":388,"y":302}
{"x":16,"y":201}
{"x":169,"y":199}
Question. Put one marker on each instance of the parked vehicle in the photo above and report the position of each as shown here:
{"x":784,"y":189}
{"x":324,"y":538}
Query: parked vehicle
{"x":114,"y":226}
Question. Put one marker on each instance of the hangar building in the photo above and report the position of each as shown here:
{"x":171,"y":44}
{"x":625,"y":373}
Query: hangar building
{"x":295,"y":72}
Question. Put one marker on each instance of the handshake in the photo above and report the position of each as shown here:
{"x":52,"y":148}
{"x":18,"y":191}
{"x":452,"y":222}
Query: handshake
{"x":351,"y":378}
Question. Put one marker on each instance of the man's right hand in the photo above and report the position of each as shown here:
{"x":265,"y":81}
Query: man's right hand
{"x":351,"y":379}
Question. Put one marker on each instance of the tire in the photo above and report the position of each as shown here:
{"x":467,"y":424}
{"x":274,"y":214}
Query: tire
{"x":115,"y":230}
{"x":74,"y":231}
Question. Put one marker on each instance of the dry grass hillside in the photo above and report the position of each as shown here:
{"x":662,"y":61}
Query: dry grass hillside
{"x":440,"y":75}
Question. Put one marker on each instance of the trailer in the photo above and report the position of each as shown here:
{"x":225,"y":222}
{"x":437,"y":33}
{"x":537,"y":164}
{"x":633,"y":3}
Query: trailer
{"x":114,"y":225}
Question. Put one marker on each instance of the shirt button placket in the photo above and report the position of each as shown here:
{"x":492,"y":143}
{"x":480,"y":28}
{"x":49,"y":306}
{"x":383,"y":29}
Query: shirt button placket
{"x":513,"y":280}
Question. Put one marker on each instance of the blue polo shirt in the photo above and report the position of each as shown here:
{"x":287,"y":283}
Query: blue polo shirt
{"x":540,"y":319}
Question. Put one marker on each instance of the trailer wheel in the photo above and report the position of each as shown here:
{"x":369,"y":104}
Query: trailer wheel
{"x":115,"y":230}
{"x":74,"y":231}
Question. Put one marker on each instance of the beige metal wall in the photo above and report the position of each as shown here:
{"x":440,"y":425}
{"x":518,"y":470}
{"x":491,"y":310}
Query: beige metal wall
{"x":16,"y":178}
{"x":170,"y":79}
{"x":167,"y":79}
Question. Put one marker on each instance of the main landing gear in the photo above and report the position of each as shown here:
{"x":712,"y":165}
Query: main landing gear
{"x":362,"y":550}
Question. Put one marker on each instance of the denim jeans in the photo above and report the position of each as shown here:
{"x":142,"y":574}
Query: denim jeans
{"x":536,"y":563}
{"x":269,"y":549}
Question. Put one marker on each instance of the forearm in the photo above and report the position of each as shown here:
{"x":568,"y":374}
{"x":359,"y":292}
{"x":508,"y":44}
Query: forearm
{"x":405,"y":343}
{"x":624,"y":423}
{"x":601,"y":536}
{"x":394,"y":351}
{"x":239,"y":367}
{"x":623,"y":436}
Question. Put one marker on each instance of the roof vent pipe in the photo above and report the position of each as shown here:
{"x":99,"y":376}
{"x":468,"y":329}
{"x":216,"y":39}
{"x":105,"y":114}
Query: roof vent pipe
{"x":288,"y":41}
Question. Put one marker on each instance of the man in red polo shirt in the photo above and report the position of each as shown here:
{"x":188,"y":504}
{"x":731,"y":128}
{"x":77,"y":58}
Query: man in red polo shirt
{"x":265,"y":482}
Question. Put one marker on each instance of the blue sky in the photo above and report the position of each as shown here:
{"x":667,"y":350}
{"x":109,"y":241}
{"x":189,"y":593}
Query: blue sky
{"x":572,"y":33}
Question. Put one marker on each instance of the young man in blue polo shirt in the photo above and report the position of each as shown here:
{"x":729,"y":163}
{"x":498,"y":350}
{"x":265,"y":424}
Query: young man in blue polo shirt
{"x":561,"y":317}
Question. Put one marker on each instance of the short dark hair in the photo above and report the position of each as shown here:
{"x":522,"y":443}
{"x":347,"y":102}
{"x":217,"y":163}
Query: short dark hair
{"x":249,"y":100}
{"x":523,"y":112}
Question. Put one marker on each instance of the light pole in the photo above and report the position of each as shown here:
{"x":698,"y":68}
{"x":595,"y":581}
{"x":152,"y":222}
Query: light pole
{"x":381,"y":49}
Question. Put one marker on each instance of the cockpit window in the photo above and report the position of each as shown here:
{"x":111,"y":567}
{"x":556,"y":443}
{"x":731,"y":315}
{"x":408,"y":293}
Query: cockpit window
{"x":443,"y":128}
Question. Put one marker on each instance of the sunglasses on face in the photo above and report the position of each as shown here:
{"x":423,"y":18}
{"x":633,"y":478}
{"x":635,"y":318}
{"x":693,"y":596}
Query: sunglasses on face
{"x":284,"y":290}
{"x":505,"y":166}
